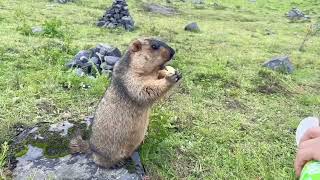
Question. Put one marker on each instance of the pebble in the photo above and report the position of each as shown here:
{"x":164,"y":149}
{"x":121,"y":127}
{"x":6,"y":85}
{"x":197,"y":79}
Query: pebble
{"x":111,"y":59}
{"x":37,"y":30}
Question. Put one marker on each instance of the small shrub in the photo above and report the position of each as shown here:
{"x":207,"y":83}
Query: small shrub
{"x":52,"y":28}
{"x":25,"y":29}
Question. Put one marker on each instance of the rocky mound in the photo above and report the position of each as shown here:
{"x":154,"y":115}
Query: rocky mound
{"x":102,"y":58}
{"x":41,"y":152}
{"x":117,"y":16}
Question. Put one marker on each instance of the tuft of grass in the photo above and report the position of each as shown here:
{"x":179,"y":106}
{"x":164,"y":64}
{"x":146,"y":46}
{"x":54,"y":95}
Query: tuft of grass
{"x":3,"y":158}
{"x":52,"y":28}
{"x":270,"y":82}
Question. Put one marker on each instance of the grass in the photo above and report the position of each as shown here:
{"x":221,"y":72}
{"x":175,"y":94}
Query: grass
{"x":230,"y":119}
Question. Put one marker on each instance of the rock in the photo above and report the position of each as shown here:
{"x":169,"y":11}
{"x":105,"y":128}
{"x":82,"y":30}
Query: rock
{"x":79,"y":72}
{"x":193,"y":27}
{"x":114,"y":52}
{"x":295,"y":14}
{"x":198,"y":1}
{"x":95,"y":60}
{"x":282,"y":64}
{"x":111,"y":60}
{"x":63,"y":1}
{"x":37,"y":30}
{"x":52,"y":160}
{"x":105,"y":66}
{"x":68,"y":167}
{"x":155,"y":8}
{"x":107,"y":72}
{"x":61,"y":127}
{"x":101,"y":23}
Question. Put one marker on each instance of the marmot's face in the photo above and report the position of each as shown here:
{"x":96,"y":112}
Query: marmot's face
{"x":150,"y":55}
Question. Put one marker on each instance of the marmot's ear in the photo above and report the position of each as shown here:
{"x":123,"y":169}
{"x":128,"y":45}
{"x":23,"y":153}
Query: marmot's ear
{"x":136,"y":46}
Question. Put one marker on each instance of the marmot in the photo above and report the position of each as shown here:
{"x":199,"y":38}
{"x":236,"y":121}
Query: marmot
{"x":122,"y":116}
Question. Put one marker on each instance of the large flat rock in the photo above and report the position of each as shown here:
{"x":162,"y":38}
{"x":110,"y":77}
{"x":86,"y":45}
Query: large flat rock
{"x":35,"y":166}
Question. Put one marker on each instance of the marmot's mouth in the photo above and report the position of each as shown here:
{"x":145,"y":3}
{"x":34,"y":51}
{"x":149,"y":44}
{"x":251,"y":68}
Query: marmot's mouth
{"x":163,"y":66}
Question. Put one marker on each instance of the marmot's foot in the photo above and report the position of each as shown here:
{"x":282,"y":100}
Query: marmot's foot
{"x":121,"y":164}
{"x":174,"y":77}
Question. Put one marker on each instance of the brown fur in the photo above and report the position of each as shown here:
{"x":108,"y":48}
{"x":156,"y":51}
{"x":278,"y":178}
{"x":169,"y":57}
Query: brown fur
{"x":122,"y":116}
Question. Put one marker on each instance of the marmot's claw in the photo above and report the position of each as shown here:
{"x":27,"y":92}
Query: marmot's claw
{"x":178,"y":74}
{"x":174,"y":77}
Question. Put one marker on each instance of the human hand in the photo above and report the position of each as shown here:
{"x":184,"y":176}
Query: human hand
{"x":309,"y":149}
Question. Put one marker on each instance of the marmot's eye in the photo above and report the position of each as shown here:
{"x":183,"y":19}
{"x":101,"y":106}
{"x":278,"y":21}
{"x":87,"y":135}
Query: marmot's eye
{"x":154,"y":46}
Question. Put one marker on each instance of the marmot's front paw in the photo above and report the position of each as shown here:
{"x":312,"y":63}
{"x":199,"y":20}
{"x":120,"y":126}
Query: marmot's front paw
{"x":174,"y":77}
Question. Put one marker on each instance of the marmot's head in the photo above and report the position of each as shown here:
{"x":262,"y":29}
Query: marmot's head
{"x":148,"y":55}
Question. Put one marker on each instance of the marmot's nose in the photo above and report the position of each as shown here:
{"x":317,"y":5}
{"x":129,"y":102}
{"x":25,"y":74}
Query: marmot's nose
{"x":172,"y":52}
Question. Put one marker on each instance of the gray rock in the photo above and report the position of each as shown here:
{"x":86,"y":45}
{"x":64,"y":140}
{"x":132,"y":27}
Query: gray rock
{"x":193,"y":27}
{"x":37,"y":167}
{"x":63,"y":1}
{"x":296,"y":13}
{"x":79,"y":72}
{"x":107,"y":72}
{"x":155,"y":8}
{"x":84,"y":59}
{"x":61,"y":127}
{"x":111,"y":26}
{"x":198,"y":1}
{"x":111,"y":60}
{"x":95,"y":60}
{"x":282,"y":64}
{"x":114,"y":52}
{"x":103,"y":65}
{"x":37,"y":30}
{"x":101,"y":23}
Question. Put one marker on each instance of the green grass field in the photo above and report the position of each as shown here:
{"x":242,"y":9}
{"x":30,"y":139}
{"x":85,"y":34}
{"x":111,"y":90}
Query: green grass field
{"x":230,"y":119}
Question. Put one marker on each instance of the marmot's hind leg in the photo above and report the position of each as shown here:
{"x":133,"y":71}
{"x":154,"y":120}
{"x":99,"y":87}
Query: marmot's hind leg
{"x":101,"y":161}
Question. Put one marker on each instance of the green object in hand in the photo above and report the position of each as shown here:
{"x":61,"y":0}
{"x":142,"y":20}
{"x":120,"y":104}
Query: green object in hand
{"x":311,"y":171}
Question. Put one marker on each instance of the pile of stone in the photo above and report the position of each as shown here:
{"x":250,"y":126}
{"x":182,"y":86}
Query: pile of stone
{"x":102,"y":58}
{"x":296,"y":14}
{"x":117,"y":16}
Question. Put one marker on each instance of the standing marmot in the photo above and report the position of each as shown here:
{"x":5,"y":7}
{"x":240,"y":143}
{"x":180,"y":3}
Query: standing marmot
{"x":122,"y":116}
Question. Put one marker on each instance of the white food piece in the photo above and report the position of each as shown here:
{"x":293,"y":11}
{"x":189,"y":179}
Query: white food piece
{"x":170,"y":69}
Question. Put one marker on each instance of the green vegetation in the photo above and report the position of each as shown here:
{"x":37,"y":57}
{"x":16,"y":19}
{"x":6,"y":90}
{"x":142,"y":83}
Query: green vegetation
{"x":3,"y":158}
{"x":230,"y":118}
